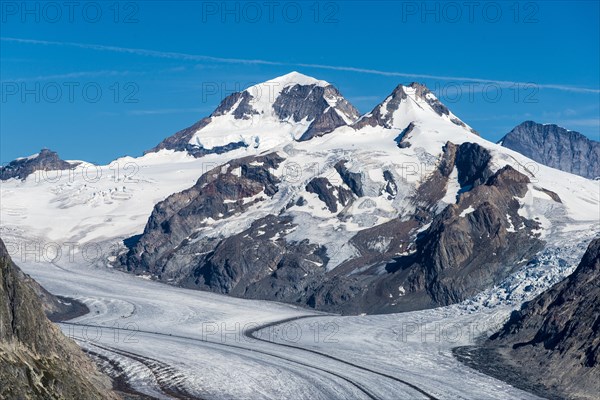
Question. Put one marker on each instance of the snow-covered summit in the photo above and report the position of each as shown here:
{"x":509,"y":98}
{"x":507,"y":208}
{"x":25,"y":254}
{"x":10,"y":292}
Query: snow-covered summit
{"x":296,"y":78}
{"x":409,"y":104}
{"x":292,"y":107}
{"x":296,"y":107}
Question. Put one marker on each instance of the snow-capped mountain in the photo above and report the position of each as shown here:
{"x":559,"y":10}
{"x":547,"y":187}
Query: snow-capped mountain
{"x":555,"y":147}
{"x":290,"y":107}
{"x":406,"y":105}
{"x":400,"y":209}
{"x":352,"y":222}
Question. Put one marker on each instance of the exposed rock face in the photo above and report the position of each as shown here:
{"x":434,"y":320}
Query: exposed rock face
{"x":329,"y":194}
{"x":36,"y":360}
{"x":470,"y":246}
{"x":424,"y":93}
{"x":382,"y":115}
{"x":467,"y":247}
{"x":218,"y":194}
{"x":447,"y":256}
{"x":554,"y":340}
{"x":400,"y":139}
{"x":238,"y":104}
{"x":313,"y":103}
{"x":352,"y":179}
{"x":179,"y":141}
{"x":45,"y":160}
{"x":556,"y":147}
{"x":257,"y":261}
{"x":472,"y":163}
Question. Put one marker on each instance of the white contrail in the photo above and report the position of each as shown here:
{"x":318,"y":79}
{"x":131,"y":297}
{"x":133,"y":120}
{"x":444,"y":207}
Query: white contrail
{"x":197,"y":57}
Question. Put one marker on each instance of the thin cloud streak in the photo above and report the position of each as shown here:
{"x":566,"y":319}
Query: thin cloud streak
{"x":141,"y":52}
{"x":196,"y":57}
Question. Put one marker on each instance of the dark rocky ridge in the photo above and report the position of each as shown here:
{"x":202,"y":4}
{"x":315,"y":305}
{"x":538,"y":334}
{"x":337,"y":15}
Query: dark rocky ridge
{"x":457,"y":256}
{"x":179,"y":141}
{"x":256,"y":261}
{"x":329,"y":194}
{"x":465,"y":253}
{"x":352,"y":179}
{"x":36,"y":360}
{"x":46,"y":160}
{"x":376,"y":118}
{"x":556,"y":147}
{"x":467,"y":247}
{"x":555,"y":338}
{"x":308,"y":101}
{"x":401,"y":139}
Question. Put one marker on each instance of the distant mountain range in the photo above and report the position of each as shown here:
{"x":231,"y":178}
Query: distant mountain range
{"x":556,"y":147}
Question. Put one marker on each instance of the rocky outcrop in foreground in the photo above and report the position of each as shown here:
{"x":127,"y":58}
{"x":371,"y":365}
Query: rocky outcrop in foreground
{"x":36,"y":360}
{"x":556,"y":147}
{"x":551,"y":346}
{"x":555,"y":338}
{"x":45,"y":160}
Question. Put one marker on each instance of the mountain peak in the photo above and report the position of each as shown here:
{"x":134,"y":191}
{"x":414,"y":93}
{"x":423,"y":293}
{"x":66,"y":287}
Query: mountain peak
{"x":290,"y":107}
{"x":296,"y":78}
{"x":406,"y":104}
{"x":420,"y":90}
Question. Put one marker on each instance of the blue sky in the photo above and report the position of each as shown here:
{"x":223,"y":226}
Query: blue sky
{"x":102,"y":79}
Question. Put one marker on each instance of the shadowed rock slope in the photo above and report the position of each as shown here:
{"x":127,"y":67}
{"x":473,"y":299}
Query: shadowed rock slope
{"x":554,"y":339}
{"x":36,"y":360}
